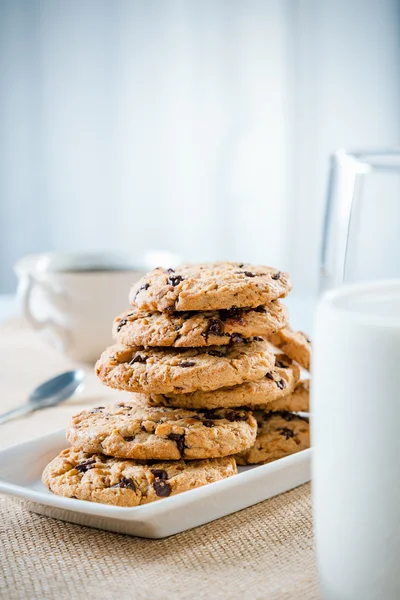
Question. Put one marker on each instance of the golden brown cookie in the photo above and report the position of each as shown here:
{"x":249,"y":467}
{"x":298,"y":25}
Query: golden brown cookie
{"x":173,"y":370}
{"x":99,"y":478}
{"x":142,"y":432}
{"x":197,"y":329}
{"x":277,"y":383}
{"x":279,"y":434}
{"x":297,"y":401}
{"x":209,"y":286}
{"x":295,"y":344}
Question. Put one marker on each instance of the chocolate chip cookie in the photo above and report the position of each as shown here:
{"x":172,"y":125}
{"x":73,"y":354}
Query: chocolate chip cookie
{"x":139,"y":431}
{"x":295,"y":344}
{"x":279,"y":434}
{"x":197,"y":329}
{"x":209,"y":286}
{"x":297,"y":401}
{"x":278,"y":382}
{"x":180,"y":371}
{"x":99,"y":478}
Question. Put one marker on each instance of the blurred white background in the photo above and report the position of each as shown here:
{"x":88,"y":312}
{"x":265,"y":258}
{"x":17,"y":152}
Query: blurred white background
{"x":200,"y":126}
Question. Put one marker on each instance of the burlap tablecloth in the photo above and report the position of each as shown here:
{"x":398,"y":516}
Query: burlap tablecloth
{"x":265,"y":551}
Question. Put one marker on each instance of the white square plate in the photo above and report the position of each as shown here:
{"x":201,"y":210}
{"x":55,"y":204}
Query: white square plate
{"x":21,"y":468}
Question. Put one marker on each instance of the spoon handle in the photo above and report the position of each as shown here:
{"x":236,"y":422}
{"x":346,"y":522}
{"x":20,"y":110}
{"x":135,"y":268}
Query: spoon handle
{"x":16,"y":412}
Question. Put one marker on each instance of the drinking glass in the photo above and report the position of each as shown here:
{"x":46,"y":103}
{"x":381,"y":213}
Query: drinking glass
{"x":355,"y":415}
{"x":361,"y":239}
{"x":355,"y":407}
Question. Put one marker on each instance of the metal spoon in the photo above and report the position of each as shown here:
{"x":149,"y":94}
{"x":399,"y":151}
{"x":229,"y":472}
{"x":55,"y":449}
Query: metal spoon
{"x":51,"y":392}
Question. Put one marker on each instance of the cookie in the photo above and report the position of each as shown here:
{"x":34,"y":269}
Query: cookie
{"x":209,"y":286}
{"x":295,"y":344}
{"x":279,"y":434}
{"x":99,"y":478}
{"x":297,"y":401}
{"x":144,"y":432}
{"x":275,"y":384}
{"x":197,"y":329}
{"x":163,"y":371}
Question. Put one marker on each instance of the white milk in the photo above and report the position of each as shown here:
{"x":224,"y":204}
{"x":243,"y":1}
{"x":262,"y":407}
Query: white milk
{"x":355,"y":426}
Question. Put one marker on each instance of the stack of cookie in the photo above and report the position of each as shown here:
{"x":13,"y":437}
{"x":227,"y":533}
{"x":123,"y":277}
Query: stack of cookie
{"x":194,"y":351}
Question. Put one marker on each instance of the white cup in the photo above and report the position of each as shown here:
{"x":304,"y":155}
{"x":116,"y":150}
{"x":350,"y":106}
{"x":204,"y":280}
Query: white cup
{"x":72,"y":298}
{"x":355,"y":427}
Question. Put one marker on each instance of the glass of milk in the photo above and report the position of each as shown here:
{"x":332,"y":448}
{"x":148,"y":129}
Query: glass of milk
{"x":355,"y":427}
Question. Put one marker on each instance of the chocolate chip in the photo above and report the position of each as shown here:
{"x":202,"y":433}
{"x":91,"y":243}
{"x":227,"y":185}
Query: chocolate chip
{"x":288,"y":416}
{"x":232,"y":415}
{"x":281,"y":384}
{"x":247,"y":273}
{"x":281,"y":365}
{"x":241,"y":265}
{"x":121,"y":324}
{"x":97,"y":409}
{"x":138,"y":359}
{"x":174,"y":280}
{"x":130,"y":438}
{"x":186,"y":363}
{"x":260,"y":309}
{"x":276,"y":276}
{"x":143,"y":428}
{"x":210,"y":414}
{"x":162,"y":488}
{"x":214,"y":327}
{"x":233,"y":313}
{"x":159,"y":473}
{"x":145,"y":286}
{"x":215,"y":353}
{"x":267,"y":416}
{"x":125,"y":482}
{"x":85,"y":466}
{"x":179,"y":439}
{"x":269,"y":376}
{"x":237,"y":339}
{"x":288,"y":433}
{"x":309,"y":341}
{"x":208,"y":423}
{"x":170,"y":270}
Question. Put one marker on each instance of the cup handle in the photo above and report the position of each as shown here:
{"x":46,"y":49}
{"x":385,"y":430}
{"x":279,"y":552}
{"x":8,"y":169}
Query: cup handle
{"x":61,"y":334}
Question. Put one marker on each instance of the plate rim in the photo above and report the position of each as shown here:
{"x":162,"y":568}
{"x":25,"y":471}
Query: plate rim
{"x":144,"y":511}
